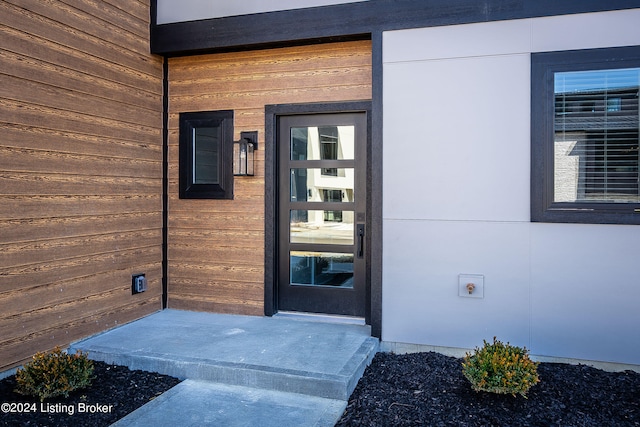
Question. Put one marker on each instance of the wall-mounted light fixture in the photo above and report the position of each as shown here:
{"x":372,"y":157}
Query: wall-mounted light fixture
{"x":243,"y":153}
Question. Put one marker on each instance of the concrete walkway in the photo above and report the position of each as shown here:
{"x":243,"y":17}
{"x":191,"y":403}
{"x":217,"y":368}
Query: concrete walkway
{"x":240,"y":370}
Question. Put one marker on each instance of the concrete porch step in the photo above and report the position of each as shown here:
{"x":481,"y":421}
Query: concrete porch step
{"x":270,"y":353}
{"x":203,"y":403}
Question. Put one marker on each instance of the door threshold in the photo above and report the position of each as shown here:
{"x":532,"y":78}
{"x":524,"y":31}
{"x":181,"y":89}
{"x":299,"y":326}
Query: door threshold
{"x":315,"y":317}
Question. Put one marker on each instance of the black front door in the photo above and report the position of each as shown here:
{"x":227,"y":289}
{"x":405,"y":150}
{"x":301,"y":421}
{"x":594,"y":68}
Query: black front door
{"x":322,"y":213}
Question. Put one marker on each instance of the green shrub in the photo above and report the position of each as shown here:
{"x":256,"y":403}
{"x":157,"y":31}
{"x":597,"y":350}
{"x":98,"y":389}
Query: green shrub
{"x":54,"y":373}
{"x":500,"y":368}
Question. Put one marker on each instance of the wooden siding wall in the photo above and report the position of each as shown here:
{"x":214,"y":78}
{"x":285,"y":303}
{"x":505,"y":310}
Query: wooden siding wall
{"x":80,"y":170}
{"x":216,"y":247}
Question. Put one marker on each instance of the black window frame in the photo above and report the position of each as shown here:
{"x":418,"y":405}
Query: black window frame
{"x":543,"y":67}
{"x":194,"y":120}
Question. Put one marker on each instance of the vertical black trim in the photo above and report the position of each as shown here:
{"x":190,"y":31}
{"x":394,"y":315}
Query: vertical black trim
{"x":153,"y":12}
{"x":375,"y":186}
{"x":165,"y":180}
{"x":270,"y":217}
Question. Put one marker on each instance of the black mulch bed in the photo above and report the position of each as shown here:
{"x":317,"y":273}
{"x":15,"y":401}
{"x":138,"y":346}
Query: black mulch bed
{"x":428,"y":389}
{"x":125,"y":390}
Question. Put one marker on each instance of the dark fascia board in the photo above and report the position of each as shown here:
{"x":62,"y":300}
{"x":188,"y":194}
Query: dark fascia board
{"x":271,"y":29}
{"x":351,"y":21}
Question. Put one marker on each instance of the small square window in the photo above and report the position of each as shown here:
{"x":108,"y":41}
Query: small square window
{"x":584,"y":146}
{"x":206,"y":155}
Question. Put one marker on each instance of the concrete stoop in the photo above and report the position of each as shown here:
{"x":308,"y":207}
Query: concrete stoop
{"x":240,"y":370}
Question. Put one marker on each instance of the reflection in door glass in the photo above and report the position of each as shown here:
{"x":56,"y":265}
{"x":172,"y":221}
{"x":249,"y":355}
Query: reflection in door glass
{"x":321,"y":269}
{"x":323,"y":143}
{"x":315,"y":226}
{"x":311,"y":185}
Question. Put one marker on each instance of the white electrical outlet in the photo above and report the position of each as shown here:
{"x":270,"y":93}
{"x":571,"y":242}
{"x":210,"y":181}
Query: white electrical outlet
{"x":471,"y":285}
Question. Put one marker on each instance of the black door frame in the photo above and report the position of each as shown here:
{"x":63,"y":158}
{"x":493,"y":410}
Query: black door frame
{"x":350,"y":301}
{"x":272,"y":186}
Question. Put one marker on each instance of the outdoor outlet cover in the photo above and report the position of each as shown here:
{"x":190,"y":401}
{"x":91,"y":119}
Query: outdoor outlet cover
{"x":138,"y":283}
{"x":471,"y":285}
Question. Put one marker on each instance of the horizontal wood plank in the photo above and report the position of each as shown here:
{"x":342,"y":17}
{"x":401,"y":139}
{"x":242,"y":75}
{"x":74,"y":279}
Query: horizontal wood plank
{"x":238,"y":256}
{"x":40,"y":251}
{"x":218,"y":270}
{"x":213,"y":237}
{"x":74,"y":143}
{"x":21,"y":183}
{"x":51,"y":162}
{"x":275,"y":96}
{"x":30,"y":229}
{"x":275,"y":81}
{"x":69,"y":205}
{"x":198,"y":303}
{"x":228,"y":221}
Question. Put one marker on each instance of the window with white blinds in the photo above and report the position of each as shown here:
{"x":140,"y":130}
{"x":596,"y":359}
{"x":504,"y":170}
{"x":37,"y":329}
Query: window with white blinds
{"x":585,"y":126}
{"x":596,"y":136}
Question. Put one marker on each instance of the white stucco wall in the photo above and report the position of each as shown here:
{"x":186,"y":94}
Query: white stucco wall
{"x":457,"y":199}
{"x":191,"y":10}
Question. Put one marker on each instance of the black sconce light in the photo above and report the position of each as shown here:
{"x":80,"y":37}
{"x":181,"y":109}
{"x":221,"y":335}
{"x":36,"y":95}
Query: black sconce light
{"x":243,"y":153}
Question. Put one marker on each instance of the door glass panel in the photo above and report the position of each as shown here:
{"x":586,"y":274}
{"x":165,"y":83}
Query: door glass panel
{"x":313,"y":185}
{"x":323,"y":143}
{"x":321,"y":269}
{"x":324,"y":227}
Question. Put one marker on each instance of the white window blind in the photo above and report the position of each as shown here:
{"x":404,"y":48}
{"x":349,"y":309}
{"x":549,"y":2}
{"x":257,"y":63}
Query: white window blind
{"x":596,"y":124}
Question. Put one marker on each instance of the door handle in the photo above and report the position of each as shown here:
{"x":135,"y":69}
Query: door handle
{"x":360,"y":231}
